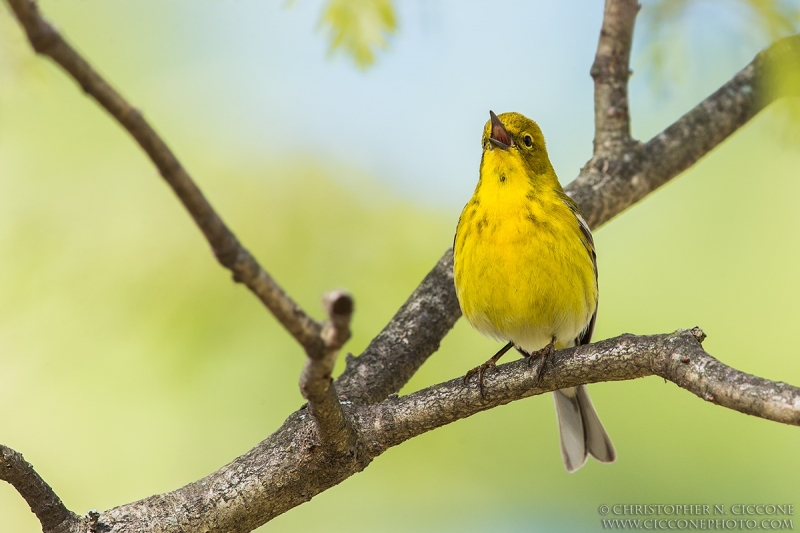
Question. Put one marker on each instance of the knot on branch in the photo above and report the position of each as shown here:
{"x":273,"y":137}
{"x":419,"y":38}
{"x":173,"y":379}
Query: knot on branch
{"x":610,"y":69}
{"x":698,"y":334}
{"x":42,"y":35}
{"x":235,"y":257}
{"x":129,"y":115}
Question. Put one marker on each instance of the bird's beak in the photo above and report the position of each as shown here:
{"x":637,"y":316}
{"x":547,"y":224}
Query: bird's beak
{"x":499,"y":137}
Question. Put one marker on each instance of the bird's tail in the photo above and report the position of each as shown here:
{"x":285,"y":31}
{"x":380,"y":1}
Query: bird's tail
{"x":580,"y":429}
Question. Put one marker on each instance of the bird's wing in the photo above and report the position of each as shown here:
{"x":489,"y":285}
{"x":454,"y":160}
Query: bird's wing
{"x":588,"y":243}
{"x":586,"y":336}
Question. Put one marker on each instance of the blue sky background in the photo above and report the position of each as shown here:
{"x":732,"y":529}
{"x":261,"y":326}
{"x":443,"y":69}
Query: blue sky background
{"x":256,"y":78}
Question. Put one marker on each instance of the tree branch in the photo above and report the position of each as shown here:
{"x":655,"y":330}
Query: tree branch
{"x":606,"y":187}
{"x":227,"y":248}
{"x":48,"y":508}
{"x":610,"y":70}
{"x":316,"y":382}
{"x":677,"y":357}
{"x":413,"y":334}
{"x":289,"y":468}
{"x":283,"y":471}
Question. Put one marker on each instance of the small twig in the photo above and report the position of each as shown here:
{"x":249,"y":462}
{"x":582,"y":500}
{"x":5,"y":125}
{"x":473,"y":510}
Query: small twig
{"x":610,"y":70}
{"x":227,"y":248}
{"x":316,"y":382}
{"x":43,"y":501}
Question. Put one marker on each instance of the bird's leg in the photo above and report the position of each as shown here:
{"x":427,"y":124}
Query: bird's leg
{"x":488,"y":364}
{"x":543,"y":353}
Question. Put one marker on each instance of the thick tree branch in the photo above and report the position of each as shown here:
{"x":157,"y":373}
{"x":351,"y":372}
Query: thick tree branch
{"x":48,"y":508}
{"x":227,"y":248}
{"x":413,"y":334}
{"x":606,"y":187}
{"x":677,"y":357}
{"x":284,"y":471}
{"x":316,"y":382}
{"x":289,"y":467}
{"x":610,"y":70}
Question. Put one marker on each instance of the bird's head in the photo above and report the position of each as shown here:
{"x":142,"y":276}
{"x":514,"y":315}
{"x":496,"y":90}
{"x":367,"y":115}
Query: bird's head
{"x":514,"y":135}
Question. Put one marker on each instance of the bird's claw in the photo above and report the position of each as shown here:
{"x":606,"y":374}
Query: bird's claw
{"x":480,"y":370}
{"x":541,"y":354}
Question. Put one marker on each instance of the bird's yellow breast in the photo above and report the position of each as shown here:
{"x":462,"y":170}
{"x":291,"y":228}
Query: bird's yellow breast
{"x":522,"y":270}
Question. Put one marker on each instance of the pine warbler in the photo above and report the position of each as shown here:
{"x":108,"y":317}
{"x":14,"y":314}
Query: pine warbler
{"x":526,"y":271}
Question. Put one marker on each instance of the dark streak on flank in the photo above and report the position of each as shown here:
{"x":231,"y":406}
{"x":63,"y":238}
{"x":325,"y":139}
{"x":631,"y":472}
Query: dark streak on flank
{"x":482,"y":223}
{"x":541,"y":224}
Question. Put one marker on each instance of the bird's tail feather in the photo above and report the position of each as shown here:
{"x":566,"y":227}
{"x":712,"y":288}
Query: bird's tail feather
{"x":580,"y":429}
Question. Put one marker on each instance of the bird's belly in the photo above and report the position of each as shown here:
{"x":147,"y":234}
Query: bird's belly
{"x":529,"y":289}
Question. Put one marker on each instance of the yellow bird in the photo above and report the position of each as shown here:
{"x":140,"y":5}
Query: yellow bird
{"x":526,"y":272}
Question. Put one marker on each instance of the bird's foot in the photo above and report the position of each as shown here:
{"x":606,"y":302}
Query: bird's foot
{"x":480,"y":370}
{"x":542,"y":355}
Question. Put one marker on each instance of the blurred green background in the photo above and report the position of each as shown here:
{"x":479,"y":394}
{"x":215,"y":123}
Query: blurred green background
{"x":130,"y":364}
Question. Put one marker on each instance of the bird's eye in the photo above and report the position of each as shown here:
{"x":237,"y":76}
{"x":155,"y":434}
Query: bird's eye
{"x":528,"y":141}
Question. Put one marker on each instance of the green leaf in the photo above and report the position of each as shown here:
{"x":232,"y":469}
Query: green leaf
{"x":359,"y":28}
